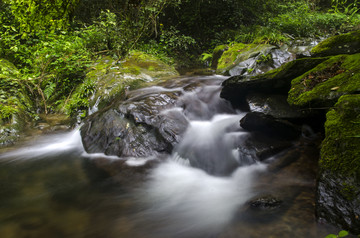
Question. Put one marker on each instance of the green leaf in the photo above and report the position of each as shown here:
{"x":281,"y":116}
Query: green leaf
{"x":331,"y":236}
{"x":343,"y":233}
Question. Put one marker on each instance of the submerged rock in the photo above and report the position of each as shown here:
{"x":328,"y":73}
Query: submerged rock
{"x":338,"y":193}
{"x":267,"y":202}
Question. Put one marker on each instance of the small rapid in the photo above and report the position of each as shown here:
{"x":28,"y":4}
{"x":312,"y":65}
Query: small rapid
{"x":52,"y":187}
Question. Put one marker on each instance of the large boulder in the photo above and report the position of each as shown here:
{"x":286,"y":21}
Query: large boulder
{"x":341,"y":44}
{"x":135,"y":127}
{"x":338,"y":193}
{"x":323,"y":85}
{"x":277,"y":81}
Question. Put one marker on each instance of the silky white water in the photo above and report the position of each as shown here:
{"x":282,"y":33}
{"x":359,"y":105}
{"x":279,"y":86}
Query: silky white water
{"x":50,"y":187}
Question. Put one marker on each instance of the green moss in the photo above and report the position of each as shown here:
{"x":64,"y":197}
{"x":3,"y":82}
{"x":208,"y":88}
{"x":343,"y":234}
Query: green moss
{"x":324,"y":84}
{"x":216,"y":55}
{"x":342,"y":44}
{"x":348,"y":191}
{"x":238,"y":52}
{"x":340,"y":151}
{"x":110,"y":78}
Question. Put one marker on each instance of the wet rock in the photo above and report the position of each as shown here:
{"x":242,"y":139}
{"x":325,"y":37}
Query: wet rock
{"x":275,"y":105}
{"x":266,"y":124}
{"x":259,"y":147}
{"x":137,"y":127}
{"x":114,"y":134}
{"x":338,"y":200}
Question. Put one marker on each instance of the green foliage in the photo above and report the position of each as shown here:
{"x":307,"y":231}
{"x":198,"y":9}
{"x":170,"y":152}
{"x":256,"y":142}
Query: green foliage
{"x":173,"y":41}
{"x":35,"y":15}
{"x":346,"y":7}
{"x":206,"y":57}
{"x":79,"y":101}
{"x":341,"y":234}
{"x":108,"y":35}
{"x":301,"y":21}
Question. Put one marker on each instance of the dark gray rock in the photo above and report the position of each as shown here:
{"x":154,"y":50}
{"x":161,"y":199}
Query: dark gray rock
{"x":135,"y":128}
{"x":261,"y":147}
{"x":266,"y":124}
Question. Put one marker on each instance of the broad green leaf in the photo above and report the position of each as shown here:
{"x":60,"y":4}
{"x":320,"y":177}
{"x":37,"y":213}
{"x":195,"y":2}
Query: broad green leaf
{"x":331,"y":236}
{"x":343,"y":233}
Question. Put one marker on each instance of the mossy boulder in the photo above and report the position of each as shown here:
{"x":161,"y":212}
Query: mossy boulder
{"x":277,"y":81}
{"x":338,"y":195}
{"x":110,"y":79}
{"x":323,"y":85}
{"x":341,"y":44}
{"x":238,"y":53}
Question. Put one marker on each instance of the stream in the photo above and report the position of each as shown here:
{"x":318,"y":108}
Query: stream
{"x":206,"y":187}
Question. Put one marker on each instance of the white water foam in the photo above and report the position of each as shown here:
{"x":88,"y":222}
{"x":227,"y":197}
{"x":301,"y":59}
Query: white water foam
{"x":48,"y":145}
{"x":187,"y":200}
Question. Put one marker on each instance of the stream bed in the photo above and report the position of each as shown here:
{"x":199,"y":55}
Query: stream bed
{"x":50,"y":187}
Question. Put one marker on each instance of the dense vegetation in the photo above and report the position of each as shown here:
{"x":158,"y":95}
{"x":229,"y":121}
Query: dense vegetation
{"x":46,"y":47}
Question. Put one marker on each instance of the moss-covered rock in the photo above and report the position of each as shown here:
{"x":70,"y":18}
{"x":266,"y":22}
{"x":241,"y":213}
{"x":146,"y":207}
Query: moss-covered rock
{"x":109,"y":79}
{"x":324,"y":84}
{"x":341,"y":44}
{"x":339,"y":180}
{"x":238,"y":53}
{"x":277,"y":81}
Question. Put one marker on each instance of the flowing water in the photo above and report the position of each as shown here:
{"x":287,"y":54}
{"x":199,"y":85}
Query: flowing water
{"x":48,"y":187}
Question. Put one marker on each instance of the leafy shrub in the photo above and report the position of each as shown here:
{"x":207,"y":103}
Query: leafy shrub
{"x":173,"y":41}
{"x":302,"y":21}
{"x":79,"y":100}
{"x":107,"y":35}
